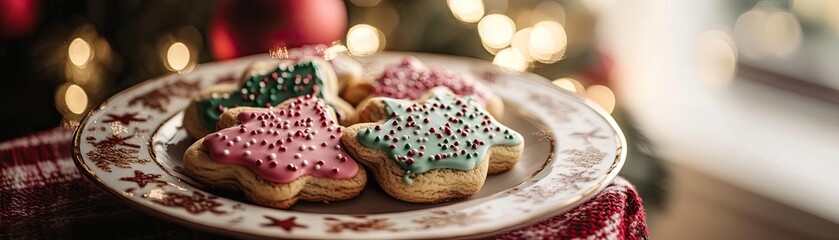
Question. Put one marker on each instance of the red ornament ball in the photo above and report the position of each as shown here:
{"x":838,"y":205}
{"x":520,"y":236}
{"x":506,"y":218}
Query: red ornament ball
{"x":18,"y":18}
{"x":240,"y":28}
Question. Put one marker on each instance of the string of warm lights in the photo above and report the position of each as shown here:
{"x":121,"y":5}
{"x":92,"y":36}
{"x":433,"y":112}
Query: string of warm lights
{"x":71,"y":99}
{"x":88,"y":56}
{"x":85,"y":58}
{"x":544,"y":42}
{"x":539,"y":39}
{"x":768,"y":31}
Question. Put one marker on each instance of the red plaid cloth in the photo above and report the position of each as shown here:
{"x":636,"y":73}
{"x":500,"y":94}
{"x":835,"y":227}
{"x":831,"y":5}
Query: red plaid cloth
{"x":43,"y":195}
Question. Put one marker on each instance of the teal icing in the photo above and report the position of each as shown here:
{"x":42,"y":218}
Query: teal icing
{"x":446,"y":131}
{"x":265,"y":90}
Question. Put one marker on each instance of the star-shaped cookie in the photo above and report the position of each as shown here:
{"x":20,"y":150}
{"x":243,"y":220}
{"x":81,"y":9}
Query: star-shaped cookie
{"x":411,"y":79}
{"x":434,"y":149}
{"x":265,"y":84}
{"x":277,"y":156}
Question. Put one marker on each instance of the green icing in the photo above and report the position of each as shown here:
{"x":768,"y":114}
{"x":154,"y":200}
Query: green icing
{"x":446,"y":131}
{"x":264,"y":90}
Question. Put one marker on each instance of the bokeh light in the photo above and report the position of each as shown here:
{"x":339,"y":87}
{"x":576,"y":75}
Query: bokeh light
{"x":468,"y":11}
{"x":79,"y":52}
{"x":177,"y":56}
{"x":569,"y":84}
{"x":603,"y":96}
{"x":521,"y":42}
{"x":75,"y":99}
{"x":511,"y":59}
{"x":767,"y":31}
{"x":783,"y":33}
{"x":496,"y":31}
{"x":363,"y":40}
{"x":748,"y":29}
{"x":547,"y":42}
{"x":84,"y":59}
{"x":716,"y":57}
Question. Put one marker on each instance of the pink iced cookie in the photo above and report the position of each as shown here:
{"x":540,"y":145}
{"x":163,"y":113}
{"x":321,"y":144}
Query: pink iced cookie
{"x":287,"y":153}
{"x":411,"y":79}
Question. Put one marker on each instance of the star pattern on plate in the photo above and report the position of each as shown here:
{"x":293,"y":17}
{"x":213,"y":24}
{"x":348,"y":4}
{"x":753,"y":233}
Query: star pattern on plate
{"x":287,"y":224}
{"x":142,"y":179}
{"x":125,"y":118}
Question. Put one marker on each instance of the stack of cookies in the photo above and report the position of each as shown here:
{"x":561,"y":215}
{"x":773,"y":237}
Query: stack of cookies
{"x":288,"y":131}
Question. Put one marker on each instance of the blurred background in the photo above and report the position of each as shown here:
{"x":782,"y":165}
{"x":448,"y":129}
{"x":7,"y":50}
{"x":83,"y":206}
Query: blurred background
{"x":731,"y":108}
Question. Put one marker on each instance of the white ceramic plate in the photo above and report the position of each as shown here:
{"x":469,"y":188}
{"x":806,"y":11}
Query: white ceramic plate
{"x":132,"y":146}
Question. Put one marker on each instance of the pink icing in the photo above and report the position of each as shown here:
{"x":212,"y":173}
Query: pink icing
{"x":411,"y":80}
{"x":283,"y":144}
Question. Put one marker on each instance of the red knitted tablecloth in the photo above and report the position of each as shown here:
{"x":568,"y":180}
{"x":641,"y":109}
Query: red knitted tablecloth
{"x":43,"y":195}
